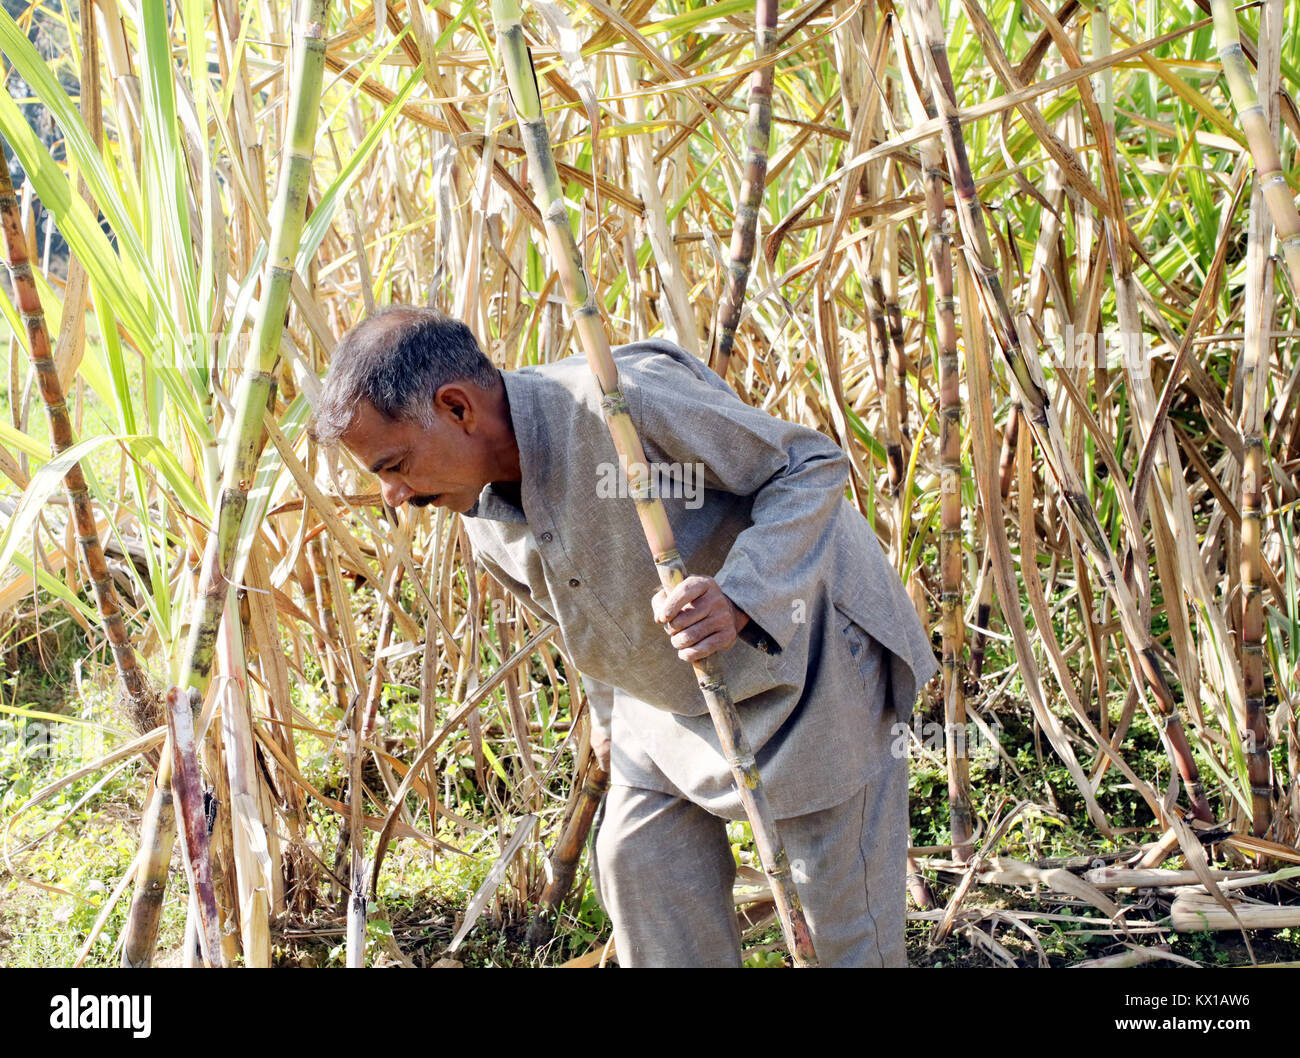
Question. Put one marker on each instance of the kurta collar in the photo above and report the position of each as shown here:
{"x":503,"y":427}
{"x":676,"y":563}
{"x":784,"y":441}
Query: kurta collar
{"x":531,"y":436}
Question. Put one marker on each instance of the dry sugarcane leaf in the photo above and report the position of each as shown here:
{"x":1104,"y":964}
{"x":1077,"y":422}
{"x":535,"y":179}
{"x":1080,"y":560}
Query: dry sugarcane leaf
{"x":496,"y":876}
{"x":479,"y":695}
{"x":982,"y":430}
{"x":338,"y":531}
{"x":1003,"y":870}
{"x":1135,"y":956}
{"x":338,"y":807}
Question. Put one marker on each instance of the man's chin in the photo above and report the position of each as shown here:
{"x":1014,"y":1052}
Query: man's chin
{"x":442,"y":499}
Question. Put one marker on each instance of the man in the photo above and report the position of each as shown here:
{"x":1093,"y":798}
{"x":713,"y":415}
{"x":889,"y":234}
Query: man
{"x":818,"y":642}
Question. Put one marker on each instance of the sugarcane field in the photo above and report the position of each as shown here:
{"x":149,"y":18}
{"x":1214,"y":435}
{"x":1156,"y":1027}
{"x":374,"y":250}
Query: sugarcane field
{"x":651,"y":483}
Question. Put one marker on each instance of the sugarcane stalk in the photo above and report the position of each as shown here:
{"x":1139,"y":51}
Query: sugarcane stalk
{"x":254,"y":865}
{"x":1172,"y":493}
{"x":517,"y":59}
{"x":253,"y":397}
{"x":1253,"y":475}
{"x":1253,"y":371}
{"x":1254,"y":122}
{"x":984,"y":608}
{"x":894,"y":320}
{"x":890,"y":436}
{"x":950,"y":493}
{"x":758,"y":129}
{"x":566,"y":854}
{"x":357,"y":903}
{"x":1039,"y":411}
{"x":187,"y":791}
{"x":143,"y":703}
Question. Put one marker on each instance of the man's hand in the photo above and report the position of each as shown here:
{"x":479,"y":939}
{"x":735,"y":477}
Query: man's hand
{"x":700,"y":619}
{"x":600,"y":745}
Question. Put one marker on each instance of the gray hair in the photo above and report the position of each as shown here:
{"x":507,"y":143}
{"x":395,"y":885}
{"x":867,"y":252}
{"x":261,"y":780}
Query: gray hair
{"x":397,"y":360}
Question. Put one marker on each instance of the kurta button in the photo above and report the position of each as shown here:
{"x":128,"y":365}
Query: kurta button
{"x":574,"y":582}
{"x":546,"y":538}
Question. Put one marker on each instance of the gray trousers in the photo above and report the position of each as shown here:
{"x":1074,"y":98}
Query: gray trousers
{"x":664,"y":873}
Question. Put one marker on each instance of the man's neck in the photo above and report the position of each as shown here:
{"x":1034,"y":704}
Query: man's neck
{"x":507,"y":470}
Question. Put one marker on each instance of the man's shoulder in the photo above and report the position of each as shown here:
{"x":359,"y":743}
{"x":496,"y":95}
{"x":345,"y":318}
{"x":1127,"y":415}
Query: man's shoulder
{"x":658,"y":358}
{"x":648,"y":359}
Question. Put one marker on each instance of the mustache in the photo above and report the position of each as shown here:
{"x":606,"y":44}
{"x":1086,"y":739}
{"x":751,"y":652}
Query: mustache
{"x":422,"y":501}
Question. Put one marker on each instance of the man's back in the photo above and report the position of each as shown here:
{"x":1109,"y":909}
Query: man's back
{"x":770,"y":524}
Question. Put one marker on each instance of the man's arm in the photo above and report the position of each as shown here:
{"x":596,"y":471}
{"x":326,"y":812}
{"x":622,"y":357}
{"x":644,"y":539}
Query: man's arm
{"x":795,"y":475}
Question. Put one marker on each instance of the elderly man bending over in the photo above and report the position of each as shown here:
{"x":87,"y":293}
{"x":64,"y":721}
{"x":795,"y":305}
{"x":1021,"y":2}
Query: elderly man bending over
{"x":817,"y":639}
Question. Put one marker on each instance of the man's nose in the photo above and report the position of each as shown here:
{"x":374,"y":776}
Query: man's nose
{"x":395,"y":493}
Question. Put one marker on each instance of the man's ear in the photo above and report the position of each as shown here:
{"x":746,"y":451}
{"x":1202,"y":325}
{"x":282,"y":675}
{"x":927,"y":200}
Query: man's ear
{"x":454,"y":398}
{"x":458,"y":398}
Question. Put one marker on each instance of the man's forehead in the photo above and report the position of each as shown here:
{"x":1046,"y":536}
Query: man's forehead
{"x":370,"y":436}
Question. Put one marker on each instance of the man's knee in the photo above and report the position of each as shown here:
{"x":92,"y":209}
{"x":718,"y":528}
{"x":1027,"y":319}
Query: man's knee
{"x":851,"y":869}
{"x":664,"y":873}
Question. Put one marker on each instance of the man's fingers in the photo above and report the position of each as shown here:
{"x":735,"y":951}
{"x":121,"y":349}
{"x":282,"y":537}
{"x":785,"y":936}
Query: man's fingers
{"x":694,"y":612}
{"x":657,"y":604}
{"x":687,"y":591}
{"x":709,"y":645}
{"x":702,"y":630}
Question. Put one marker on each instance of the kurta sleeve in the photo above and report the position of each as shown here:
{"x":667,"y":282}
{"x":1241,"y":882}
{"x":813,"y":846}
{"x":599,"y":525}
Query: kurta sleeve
{"x":601,"y":698}
{"x":796,"y":476}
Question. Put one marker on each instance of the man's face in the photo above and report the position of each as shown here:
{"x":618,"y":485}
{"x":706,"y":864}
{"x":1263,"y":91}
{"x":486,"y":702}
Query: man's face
{"x":444,"y":465}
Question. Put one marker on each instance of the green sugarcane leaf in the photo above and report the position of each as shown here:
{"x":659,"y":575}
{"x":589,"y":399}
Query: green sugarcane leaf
{"x":112,"y":278}
{"x":676,"y":25}
{"x":364,"y":74}
{"x":45,"y":482}
{"x":55,"y":586}
{"x":23,"y":442}
{"x":323,"y":215}
{"x":156,"y":452}
{"x":54,"y":188}
{"x":1238,"y":793}
{"x":466,"y":9}
{"x":166,"y":156}
{"x":58,"y":718}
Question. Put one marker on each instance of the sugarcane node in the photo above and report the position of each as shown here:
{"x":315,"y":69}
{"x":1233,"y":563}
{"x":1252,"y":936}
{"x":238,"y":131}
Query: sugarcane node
{"x":614,"y":403}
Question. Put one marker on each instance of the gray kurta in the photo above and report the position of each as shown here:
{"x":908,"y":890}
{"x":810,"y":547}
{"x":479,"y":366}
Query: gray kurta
{"x":771,"y":525}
